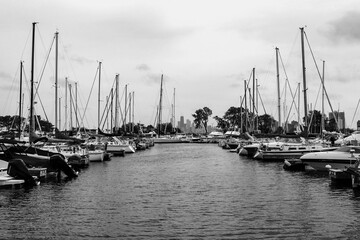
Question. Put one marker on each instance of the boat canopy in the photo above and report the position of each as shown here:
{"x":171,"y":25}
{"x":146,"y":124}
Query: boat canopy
{"x":232,"y":133}
{"x":216,"y":134}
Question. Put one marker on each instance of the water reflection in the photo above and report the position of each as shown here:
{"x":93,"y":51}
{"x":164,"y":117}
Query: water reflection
{"x":183,"y":191}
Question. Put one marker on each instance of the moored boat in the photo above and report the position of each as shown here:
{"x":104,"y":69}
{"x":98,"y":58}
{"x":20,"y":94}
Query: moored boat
{"x":339,"y":158}
{"x":289,"y":152}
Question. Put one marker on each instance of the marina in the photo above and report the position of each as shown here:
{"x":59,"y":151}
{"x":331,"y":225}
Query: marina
{"x":177,"y":191}
{"x":179,"y":120}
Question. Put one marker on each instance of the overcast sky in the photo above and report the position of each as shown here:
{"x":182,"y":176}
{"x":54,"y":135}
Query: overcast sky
{"x":204,"y":48}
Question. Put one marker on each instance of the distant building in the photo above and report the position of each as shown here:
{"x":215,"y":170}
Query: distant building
{"x":340,"y":117}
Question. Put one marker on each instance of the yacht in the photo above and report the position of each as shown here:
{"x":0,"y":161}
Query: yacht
{"x":337,"y":159}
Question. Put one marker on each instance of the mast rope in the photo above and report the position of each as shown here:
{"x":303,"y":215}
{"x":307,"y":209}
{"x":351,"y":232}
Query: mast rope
{"x":322,"y":80}
{"x":87,"y":102}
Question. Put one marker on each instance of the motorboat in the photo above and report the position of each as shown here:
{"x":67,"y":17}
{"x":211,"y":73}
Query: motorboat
{"x":337,"y":159}
{"x":171,"y":139}
{"x":35,"y":157}
{"x":118,"y":146}
{"x":353,"y":139}
{"x":291,"y":151}
{"x":75,"y":155}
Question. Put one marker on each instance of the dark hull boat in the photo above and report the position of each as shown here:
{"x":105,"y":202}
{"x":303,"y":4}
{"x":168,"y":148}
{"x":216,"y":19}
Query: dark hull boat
{"x":35,"y":157}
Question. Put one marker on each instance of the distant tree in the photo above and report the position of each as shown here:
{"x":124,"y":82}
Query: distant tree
{"x":265,"y":123}
{"x":201,"y":117}
{"x":222,"y":124}
{"x":232,"y":115}
{"x":45,"y":125}
{"x":6,"y":121}
{"x":165,"y":128}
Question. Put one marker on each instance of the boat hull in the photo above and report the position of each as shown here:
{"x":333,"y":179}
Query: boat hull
{"x":323,"y":161}
{"x":96,"y":156}
{"x":282,"y":155}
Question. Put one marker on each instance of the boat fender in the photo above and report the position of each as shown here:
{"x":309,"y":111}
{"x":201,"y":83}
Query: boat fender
{"x":18,"y":169}
{"x":58,"y":162}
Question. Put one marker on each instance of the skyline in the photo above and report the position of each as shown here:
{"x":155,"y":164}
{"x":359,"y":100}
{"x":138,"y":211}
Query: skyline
{"x":205,"y":49}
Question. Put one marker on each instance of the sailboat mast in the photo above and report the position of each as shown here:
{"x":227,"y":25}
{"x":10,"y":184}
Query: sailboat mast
{"x":20,"y":98}
{"x":257,"y":106}
{"x":125,"y":113}
{"x":71,"y":101}
{"x":299,"y":103}
{"x":246,"y":112}
{"x":32,"y":122}
{"x":59,"y":114}
{"x":66,"y":92}
{"x":241,"y":121}
{"x":130,"y":112}
{"x":56,"y":80}
{"x":98,"y":126}
{"x":160,"y":104}
{"x":76,"y":107}
{"x":116,"y":102}
{"x":133,"y":110}
{"x":253,"y":101}
{"x":174,"y":111}
{"x":322,"y":102}
{"x":304,"y":79}
{"x":278,"y":85}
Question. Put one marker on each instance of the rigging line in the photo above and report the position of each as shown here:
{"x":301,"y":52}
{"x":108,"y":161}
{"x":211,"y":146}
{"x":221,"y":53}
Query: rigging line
{"x":11,"y":89}
{"x":72,"y":102}
{"x":293,"y":46}
{"x":313,"y":111}
{"x":43,"y":67}
{"x":322,"y":80}
{"x":247,"y":84}
{"x":262,"y":102}
{"x":106,"y":109}
{"x":292,"y":103}
{"x":22,"y":56}
{"x":252,"y":100}
{"x":120,"y":110}
{"x":38,"y":85}
{"x":87,"y":103}
{"x":42,"y":107}
{"x":26,"y":43}
{"x":287,"y":81}
{"x":352,"y":121}
{"x":68,"y":59}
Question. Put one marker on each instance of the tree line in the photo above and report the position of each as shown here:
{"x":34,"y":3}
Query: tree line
{"x":236,"y":118}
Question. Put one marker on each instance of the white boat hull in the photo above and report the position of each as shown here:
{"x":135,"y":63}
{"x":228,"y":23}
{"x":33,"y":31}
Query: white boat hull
{"x":96,"y":156}
{"x":322,"y":161}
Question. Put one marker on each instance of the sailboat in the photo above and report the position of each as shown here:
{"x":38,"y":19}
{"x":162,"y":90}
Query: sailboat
{"x":26,"y":152}
{"x":112,"y":141}
{"x":292,"y":150}
{"x":165,"y":138}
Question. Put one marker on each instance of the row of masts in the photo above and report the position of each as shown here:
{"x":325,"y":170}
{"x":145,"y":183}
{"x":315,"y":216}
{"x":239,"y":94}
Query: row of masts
{"x":68,"y":91}
{"x":252,"y":124}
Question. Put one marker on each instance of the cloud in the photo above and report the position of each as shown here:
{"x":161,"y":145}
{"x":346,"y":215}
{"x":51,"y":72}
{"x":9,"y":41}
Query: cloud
{"x":81,"y":60}
{"x":7,"y":82}
{"x":345,"y":28}
{"x":143,"y":67}
{"x":5,"y":76}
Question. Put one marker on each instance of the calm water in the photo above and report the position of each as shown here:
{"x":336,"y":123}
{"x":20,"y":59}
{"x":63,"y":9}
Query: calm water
{"x":182,"y":191}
